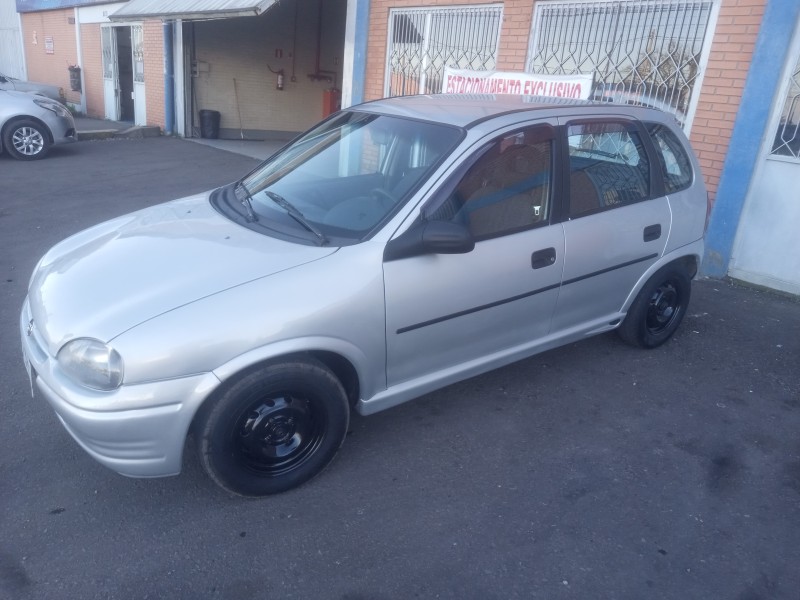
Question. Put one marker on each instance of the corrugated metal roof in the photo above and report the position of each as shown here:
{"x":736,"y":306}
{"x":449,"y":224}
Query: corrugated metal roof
{"x":190,"y":9}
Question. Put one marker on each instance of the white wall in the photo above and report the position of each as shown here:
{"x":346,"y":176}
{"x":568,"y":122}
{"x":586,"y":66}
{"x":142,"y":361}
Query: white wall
{"x":766,"y":250}
{"x":98,"y":14}
{"x":12,"y":57}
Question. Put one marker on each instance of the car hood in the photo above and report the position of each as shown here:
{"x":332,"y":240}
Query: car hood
{"x":30,"y":87}
{"x":114,"y":276}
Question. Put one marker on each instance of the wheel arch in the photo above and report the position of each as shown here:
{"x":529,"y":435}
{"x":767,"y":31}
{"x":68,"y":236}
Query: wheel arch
{"x":342,"y":367}
{"x":689,"y":260}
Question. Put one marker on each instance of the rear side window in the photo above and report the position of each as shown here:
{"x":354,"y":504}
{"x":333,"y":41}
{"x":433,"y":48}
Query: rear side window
{"x":608,"y":167}
{"x":675,"y":163}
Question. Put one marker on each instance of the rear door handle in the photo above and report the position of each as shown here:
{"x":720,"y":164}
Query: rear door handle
{"x":652,"y":232}
{"x":543,"y":258}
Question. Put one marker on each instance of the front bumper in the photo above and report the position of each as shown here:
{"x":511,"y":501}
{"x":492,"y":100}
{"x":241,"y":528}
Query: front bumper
{"x":63,"y":129}
{"x":137,"y":430}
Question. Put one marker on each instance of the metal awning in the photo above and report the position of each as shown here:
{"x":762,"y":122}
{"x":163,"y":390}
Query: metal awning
{"x":189,"y":10}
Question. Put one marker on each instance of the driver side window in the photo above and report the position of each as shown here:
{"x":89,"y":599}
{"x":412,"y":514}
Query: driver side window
{"x":508,"y":188}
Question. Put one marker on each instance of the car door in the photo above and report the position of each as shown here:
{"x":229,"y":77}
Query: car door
{"x":616,"y":218}
{"x":457,"y":312}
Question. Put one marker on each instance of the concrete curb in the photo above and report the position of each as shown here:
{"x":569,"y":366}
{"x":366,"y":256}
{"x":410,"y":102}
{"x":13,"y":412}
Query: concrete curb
{"x":129,"y":133}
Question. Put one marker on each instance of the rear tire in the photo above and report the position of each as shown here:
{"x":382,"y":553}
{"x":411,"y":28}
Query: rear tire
{"x":26,"y":140}
{"x":658,"y":309}
{"x":273,"y":429}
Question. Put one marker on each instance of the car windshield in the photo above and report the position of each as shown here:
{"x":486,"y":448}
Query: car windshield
{"x":344,"y":177}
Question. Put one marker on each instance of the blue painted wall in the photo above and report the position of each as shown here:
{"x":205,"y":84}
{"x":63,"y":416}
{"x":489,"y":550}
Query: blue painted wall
{"x":360,"y":50}
{"x":762,"y":85}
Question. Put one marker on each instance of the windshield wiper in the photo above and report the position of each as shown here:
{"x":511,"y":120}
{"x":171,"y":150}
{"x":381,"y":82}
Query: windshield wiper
{"x":296,"y":215}
{"x":245,"y":199}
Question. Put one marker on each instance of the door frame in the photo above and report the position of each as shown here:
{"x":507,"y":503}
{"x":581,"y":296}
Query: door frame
{"x":108,"y":51}
{"x":111,"y":84}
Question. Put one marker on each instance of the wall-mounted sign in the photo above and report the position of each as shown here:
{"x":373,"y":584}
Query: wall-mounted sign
{"x":463,"y":81}
{"x":24,"y":6}
{"x":49,"y":47}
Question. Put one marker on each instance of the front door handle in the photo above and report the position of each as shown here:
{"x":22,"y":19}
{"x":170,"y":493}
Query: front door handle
{"x":543,"y":258}
{"x":652,"y":232}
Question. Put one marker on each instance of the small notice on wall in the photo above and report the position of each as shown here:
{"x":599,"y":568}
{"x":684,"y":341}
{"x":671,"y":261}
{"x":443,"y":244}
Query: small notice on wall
{"x":464,"y":81}
{"x":48,"y":44}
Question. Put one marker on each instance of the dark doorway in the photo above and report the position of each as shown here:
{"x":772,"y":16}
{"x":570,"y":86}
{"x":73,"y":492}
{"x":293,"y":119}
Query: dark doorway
{"x":125,"y":64}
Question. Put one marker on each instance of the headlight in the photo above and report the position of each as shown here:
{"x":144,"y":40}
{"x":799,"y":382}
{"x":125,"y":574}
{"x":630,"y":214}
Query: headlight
{"x":91,"y":363}
{"x":57,"y":108}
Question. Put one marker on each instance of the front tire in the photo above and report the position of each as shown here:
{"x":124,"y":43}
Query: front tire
{"x":658,"y":309}
{"x":26,"y":140}
{"x":273,"y":429}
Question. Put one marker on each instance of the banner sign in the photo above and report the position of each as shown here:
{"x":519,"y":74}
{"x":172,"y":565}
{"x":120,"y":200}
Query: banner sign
{"x":24,"y":6}
{"x":464,"y":81}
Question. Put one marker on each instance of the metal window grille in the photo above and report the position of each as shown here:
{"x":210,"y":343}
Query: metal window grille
{"x":106,"y":34}
{"x":787,"y":134}
{"x":645,"y":52}
{"x":137,"y":42}
{"x":423,"y":41}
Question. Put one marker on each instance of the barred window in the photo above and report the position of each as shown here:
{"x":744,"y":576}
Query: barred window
{"x":137,"y":37}
{"x":109,"y":55}
{"x":787,"y":135}
{"x":643,"y":52}
{"x":423,"y":41}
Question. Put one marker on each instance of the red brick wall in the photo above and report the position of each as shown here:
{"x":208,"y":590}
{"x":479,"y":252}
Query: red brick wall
{"x":92,"y":56}
{"x":154,"y":72}
{"x":50,"y":68}
{"x":731,"y":51}
{"x":515,"y":34}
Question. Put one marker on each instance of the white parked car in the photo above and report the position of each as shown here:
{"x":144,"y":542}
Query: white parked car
{"x":31,"y":124}
{"x":399,"y":246}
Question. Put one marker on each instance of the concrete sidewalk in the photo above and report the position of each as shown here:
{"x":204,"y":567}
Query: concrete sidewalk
{"x":89,"y":128}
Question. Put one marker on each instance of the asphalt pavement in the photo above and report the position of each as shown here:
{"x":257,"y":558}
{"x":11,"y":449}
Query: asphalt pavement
{"x":594,"y":471}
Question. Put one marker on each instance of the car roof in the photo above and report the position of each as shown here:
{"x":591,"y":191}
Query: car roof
{"x":466,"y":110}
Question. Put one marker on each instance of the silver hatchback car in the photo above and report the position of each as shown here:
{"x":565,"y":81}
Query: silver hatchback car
{"x":30,"y":124}
{"x":398,"y":247}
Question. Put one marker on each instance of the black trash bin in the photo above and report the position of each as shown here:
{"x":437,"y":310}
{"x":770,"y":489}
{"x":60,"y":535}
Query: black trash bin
{"x":209,"y":124}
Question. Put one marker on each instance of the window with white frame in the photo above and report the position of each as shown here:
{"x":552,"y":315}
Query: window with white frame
{"x":787,"y":135}
{"x":423,"y":41}
{"x":137,"y":41}
{"x":645,"y":52}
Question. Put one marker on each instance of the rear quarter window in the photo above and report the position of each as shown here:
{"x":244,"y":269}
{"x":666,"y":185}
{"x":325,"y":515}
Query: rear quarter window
{"x":675,"y":163}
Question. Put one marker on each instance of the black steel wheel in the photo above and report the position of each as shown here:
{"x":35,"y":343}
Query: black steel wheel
{"x":658,"y":309}
{"x":26,"y":140}
{"x":273,"y":429}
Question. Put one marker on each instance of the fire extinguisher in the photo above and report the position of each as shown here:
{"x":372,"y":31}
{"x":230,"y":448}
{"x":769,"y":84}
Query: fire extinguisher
{"x":279,"y":85}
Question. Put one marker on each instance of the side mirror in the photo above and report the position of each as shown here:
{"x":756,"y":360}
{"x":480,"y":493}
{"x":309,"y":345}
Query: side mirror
{"x":430,"y":237}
